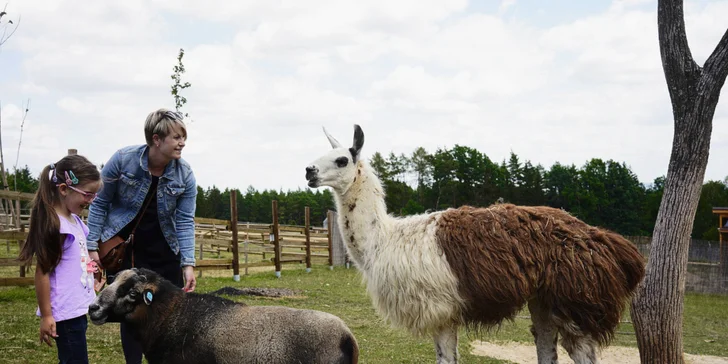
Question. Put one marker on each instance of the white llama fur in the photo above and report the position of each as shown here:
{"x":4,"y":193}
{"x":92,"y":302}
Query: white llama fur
{"x":405,"y":271}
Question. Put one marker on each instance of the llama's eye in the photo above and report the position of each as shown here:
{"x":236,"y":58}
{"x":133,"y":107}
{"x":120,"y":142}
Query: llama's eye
{"x":342,"y":162}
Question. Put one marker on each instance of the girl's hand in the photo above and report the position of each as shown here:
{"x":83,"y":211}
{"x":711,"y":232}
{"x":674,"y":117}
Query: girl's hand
{"x":99,"y":280}
{"x":47,"y":329}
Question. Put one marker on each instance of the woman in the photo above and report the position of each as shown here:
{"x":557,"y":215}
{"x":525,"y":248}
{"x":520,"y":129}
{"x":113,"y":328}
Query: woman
{"x":149,"y":190}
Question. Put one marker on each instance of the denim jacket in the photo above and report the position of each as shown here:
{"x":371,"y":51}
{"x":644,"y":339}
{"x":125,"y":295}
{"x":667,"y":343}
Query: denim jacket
{"x":126,"y":181}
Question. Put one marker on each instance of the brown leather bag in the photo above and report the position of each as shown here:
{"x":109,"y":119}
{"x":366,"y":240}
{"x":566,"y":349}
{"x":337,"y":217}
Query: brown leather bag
{"x":112,"y":251}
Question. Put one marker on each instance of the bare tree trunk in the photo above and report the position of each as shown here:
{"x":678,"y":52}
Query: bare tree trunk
{"x":658,"y":305}
{"x":5,"y":202}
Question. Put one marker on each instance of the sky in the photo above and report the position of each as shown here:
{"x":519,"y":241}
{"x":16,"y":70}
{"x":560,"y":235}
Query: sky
{"x":557,"y":81}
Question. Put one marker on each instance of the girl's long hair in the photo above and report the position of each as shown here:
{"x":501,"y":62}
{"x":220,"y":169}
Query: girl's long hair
{"x":44,"y":238}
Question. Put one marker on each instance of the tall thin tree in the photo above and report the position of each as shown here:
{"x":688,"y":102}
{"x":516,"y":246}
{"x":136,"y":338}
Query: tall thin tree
{"x":178,"y":85}
{"x":8,"y":27}
{"x":658,"y":305}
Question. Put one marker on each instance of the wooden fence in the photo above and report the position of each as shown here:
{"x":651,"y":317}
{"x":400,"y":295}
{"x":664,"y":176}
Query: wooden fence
{"x":219,"y":244}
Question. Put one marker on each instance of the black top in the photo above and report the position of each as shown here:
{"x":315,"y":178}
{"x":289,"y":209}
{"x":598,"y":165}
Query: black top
{"x":150,"y":248}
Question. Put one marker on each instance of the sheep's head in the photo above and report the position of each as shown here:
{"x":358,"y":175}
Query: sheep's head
{"x":121,"y":300}
{"x":337,"y":168}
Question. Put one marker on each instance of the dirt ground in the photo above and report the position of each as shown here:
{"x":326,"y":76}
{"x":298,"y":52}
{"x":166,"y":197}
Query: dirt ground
{"x":526,"y":354}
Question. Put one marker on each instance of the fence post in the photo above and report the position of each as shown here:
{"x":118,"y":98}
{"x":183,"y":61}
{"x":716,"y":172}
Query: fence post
{"x":22,"y":267}
{"x":723,"y":262}
{"x":330,"y":220}
{"x":245,"y":246}
{"x":234,"y":228}
{"x":17,"y":209}
{"x":276,"y":242}
{"x":199,"y":271}
{"x":307,"y":217}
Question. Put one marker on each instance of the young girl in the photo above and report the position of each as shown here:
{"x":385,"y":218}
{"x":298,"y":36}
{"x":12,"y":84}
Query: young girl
{"x":64,"y":275}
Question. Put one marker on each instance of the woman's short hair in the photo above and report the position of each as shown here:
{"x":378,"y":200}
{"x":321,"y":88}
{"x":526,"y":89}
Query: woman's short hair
{"x":160,"y":122}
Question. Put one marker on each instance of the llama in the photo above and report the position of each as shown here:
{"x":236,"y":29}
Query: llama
{"x":475,"y":267}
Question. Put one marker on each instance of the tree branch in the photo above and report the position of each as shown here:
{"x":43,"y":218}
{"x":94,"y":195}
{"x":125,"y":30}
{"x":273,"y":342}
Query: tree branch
{"x":680,"y":68}
{"x":716,"y":66}
{"x":4,"y":38}
{"x":17,"y":156}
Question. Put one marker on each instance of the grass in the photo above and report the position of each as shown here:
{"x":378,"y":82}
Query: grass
{"x":339,"y":292}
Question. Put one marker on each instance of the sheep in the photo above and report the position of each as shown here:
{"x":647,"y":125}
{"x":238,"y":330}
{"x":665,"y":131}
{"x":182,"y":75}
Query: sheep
{"x":178,"y":327}
{"x":476,"y":267}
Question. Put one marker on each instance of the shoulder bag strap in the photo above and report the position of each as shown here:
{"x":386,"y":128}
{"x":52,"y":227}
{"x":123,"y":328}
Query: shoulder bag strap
{"x":131,"y":235}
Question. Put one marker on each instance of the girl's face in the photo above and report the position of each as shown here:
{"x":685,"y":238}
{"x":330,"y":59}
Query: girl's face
{"x":76,"y":198}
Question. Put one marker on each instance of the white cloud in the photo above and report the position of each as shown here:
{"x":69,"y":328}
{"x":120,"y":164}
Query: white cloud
{"x":267,"y":75}
{"x":505,"y":5}
{"x":31,"y":88}
{"x":73,"y":105}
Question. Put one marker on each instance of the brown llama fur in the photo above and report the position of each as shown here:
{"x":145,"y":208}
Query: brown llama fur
{"x":505,"y":255}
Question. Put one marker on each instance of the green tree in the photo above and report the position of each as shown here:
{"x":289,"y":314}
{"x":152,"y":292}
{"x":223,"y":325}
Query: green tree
{"x":419,"y":161}
{"x":625,"y":199}
{"x":714,"y":193}
{"x":397,"y":166}
{"x":653,"y":197}
{"x":515,"y":179}
{"x":532,"y":189}
{"x":178,"y":85}
{"x":563,"y":188}
{"x":380,"y":166}
{"x":443,"y":177}
{"x":594,"y":199}
{"x":23,"y":179}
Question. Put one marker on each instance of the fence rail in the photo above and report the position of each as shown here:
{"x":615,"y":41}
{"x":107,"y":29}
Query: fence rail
{"x":220,"y":244}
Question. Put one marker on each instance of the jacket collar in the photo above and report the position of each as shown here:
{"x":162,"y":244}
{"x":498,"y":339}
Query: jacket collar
{"x":144,"y":163}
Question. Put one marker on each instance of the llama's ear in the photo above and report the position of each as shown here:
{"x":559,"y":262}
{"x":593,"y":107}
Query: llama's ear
{"x":358,"y":142}
{"x":334,"y":143}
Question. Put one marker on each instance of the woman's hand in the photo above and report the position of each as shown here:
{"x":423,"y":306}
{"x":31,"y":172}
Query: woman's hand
{"x":189,"y":275}
{"x":47,"y":329}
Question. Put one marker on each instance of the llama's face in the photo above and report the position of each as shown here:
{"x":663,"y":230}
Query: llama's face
{"x":337,"y":168}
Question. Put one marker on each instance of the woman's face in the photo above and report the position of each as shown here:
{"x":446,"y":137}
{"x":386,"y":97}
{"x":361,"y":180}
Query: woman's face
{"x":171,"y":146}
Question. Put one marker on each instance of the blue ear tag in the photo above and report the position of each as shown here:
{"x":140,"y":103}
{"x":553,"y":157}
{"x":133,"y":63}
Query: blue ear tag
{"x":148,"y":297}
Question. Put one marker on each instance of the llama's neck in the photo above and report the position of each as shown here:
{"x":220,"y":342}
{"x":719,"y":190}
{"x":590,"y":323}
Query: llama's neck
{"x":362,"y":214}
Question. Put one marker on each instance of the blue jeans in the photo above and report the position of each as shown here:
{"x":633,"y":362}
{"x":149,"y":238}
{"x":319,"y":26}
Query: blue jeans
{"x":71,"y":340}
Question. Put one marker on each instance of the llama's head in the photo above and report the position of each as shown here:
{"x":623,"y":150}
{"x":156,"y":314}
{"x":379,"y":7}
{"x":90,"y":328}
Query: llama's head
{"x":337,"y":168}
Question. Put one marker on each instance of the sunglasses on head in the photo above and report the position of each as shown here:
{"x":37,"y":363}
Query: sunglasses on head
{"x":174,"y":115}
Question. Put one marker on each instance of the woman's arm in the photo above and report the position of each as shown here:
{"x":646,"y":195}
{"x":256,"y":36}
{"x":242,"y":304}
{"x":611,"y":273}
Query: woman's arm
{"x":185,"y":222}
{"x":43,"y":295}
{"x":100,"y":206}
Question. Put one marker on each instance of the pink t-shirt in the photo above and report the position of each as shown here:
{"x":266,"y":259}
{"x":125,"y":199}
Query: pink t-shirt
{"x":72,"y":284}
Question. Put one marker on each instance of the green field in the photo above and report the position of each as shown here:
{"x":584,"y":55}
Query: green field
{"x":339,"y":292}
